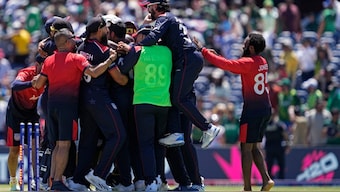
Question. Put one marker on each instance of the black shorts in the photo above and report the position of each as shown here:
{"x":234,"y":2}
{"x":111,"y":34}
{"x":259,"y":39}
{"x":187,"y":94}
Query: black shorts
{"x":252,"y":129}
{"x":13,"y":129}
{"x":62,"y":123}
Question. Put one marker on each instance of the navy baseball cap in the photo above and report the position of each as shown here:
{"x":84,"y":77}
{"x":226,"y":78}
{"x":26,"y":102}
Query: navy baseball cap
{"x":49,"y":23}
{"x":94,"y":24}
{"x":61,"y":24}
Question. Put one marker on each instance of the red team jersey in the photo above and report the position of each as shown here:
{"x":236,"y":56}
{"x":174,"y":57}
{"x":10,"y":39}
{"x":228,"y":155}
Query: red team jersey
{"x":253,"y":71}
{"x":64,"y":71}
{"x":26,"y":99}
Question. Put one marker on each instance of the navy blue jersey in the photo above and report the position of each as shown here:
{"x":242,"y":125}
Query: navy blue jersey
{"x":95,"y":53}
{"x":173,"y":34}
{"x":130,"y":59}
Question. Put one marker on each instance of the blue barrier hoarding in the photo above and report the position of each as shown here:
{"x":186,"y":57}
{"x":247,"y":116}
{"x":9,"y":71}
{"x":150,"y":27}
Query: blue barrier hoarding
{"x":303,"y":165}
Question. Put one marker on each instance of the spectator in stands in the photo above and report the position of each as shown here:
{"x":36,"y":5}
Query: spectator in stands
{"x":299,"y":127}
{"x":327,"y":19}
{"x":21,"y":40}
{"x":314,"y":94}
{"x":310,"y":22}
{"x":269,"y":16}
{"x":287,"y":100}
{"x":332,"y":129}
{"x":289,"y":17}
{"x":307,"y":56}
{"x":219,"y":86}
{"x":274,"y":90}
{"x":251,"y":11}
{"x":5,"y":68}
{"x":317,"y":118}
{"x":333,"y":101}
{"x":290,"y":60}
{"x":230,"y":122}
{"x":322,"y":61}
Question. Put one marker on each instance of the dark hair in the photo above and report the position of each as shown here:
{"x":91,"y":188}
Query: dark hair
{"x":163,"y":7}
{"x":118,"y":28}
{"x":257,"y":40}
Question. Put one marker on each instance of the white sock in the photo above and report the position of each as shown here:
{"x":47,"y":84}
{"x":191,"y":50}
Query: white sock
{"x":12,"y":179}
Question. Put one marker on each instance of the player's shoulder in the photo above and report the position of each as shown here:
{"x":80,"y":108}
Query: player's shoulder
{"x":27,"y":71}
{"x":94,"y":45}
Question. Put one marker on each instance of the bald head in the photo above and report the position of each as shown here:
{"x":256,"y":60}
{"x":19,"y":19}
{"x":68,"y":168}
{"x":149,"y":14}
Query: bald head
{"x":61,"y":38}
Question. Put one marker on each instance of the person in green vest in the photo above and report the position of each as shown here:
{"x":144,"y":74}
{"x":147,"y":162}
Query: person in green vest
{"x":332,"y":129}
{"x":287,"y":99}
{"x":314,"y":94}
{"x":333,"y":101}
{"x":152,"y":67}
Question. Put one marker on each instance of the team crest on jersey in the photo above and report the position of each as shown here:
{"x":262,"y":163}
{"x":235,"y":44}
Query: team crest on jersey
{"x":16,"y":136}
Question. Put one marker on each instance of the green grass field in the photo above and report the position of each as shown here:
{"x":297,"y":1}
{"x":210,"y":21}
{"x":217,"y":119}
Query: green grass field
{"x":4,"y":187}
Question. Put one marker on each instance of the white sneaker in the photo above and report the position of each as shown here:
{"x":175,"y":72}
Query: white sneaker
{"x":164,"y":187}
{"x":198,"y":187}
{"x":76,"y":186}
{"x":160,"y":185}
{"x":14,"y":186}
{"x":152,"y":187}
{"x":43,"y":186}
{"x":121,"y":187}
{"x":98,"y":182}
{"x":209,"y":135}
{"x":140,"y":185}
{"x":172,"y":140}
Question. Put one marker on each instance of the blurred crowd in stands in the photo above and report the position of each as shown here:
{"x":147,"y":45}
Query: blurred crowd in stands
{"x":303,"y":53}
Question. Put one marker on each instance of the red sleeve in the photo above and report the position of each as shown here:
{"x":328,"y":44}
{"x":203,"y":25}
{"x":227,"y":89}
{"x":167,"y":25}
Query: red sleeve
{"x":83,"y":62}
{"x":239,"y":66}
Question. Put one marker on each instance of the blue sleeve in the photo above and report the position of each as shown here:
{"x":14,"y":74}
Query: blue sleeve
{"x":130,"y":60}
{"x":161,"y":26}
{"x":18,"y":85}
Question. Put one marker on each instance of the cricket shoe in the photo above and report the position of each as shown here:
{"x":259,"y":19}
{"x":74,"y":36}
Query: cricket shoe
{"x":98,"y":182}
{"x":140,"y":185}
{"x":172,"y":140}
{"x":152,"y":186}
{"x":160,"y":185}
{"x":198,"y":187}
{"x":76,"y":186}
{"x":121,"y":187}
{"x":184,"y":188}
{"x":209,"y":135}
{"x":14,"y":186}
{"x":59,"y":186}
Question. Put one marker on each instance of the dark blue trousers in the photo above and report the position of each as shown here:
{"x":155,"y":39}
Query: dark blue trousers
{"x":181,"y":88}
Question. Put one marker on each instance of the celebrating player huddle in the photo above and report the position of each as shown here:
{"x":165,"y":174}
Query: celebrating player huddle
{"x":131,"y":91}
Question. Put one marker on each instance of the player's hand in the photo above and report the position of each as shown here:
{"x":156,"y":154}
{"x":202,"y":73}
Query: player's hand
{"x":213,"y":51}
{"x":198,"y":44}
{"x":147,"y":19}
{"x":113,"y":55}
{"x":34,"y":81}
{"x":41,"y":52}
{"x":123,"y":47}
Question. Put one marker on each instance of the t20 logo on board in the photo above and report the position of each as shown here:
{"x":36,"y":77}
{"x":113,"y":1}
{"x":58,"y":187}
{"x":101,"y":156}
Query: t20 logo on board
{"x":318,"y":166}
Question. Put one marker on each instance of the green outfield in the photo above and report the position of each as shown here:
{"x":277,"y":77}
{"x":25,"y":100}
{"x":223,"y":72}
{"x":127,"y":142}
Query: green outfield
{"x":4,"y":187}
